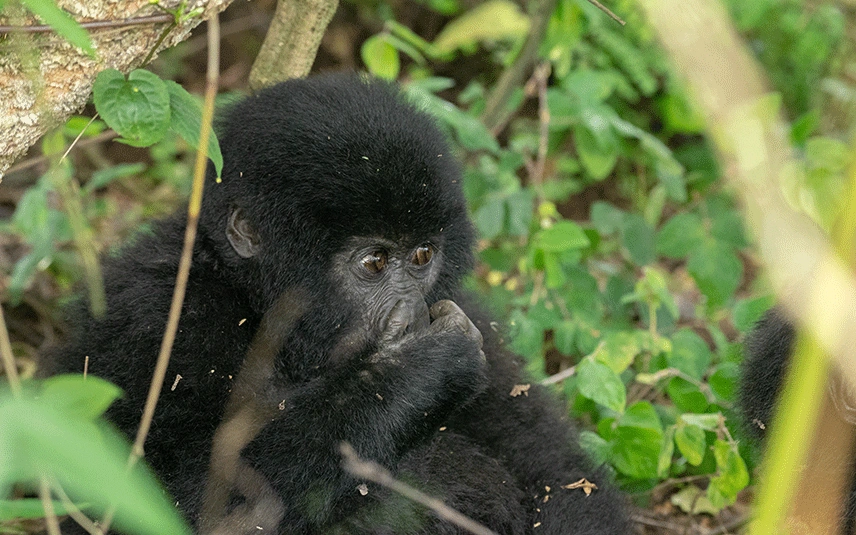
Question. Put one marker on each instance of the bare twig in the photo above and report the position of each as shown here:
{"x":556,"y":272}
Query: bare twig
{"x":9,"y":365}
{"x":495,"y":112}
{"x":539,"y":81}
{"x":606,"y":10}
{"x":47,"y":504}
{"x":559,"y":377}
{"x":374,"y":472}
{"x":91,"y":25}
{"x":75,"y":513}
{"x":39,"y":160}
{"x":193,"y":209}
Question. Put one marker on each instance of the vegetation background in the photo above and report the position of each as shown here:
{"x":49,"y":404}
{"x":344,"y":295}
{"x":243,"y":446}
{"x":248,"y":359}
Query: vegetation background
{"x":610,"y":245}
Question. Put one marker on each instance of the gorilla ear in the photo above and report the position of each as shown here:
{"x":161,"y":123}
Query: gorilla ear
{"x":241,"y":234}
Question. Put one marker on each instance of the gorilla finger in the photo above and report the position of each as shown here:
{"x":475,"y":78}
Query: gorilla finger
{"x":444,"y":308}
{"x":449,"y":316}
{"x":396,"y":322}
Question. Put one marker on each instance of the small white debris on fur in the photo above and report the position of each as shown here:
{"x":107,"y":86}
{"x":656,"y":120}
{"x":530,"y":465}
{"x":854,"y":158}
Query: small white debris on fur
{"x":242,"y":322}
{"x":363,"y":488}
{"x":520,"y":389}
{"x":584,"y":484}
{"x":536,"y":524}
{"x":282,"y":405}
{"x":379,"y":396}
{"x":547,"y":489}
{"x":443,"y":428}
{"x":175,"y":383}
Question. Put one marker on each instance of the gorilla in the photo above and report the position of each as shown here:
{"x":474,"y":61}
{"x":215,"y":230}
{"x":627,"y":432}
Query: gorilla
{"x":331,"y":256}
{"x":768,"y":349}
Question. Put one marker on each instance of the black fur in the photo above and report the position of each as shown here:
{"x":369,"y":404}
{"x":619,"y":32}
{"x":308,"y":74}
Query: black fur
{"x":314,"y":163}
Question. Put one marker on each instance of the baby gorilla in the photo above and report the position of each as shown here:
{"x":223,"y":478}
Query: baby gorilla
{"x":324,"y":305}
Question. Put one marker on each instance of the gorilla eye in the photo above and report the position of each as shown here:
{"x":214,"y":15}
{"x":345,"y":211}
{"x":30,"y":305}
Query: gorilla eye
{"x":422,"y":255}
{"x":374,"y":262}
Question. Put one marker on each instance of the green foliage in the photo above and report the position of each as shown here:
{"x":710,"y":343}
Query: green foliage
{"x":61,"y":22}
{"x":53,"y":431}
{"x":142,"y":107}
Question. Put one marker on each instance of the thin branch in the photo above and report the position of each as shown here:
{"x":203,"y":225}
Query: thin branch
{"x":9,"y":365}
{"x":606,"y":10}
{"x":495,"y":114}
{"x":193,"y":209}
{"x":91,"y":25}
{"x":559,"y":377}
{"x":47,"y":504}
{"x":374,"y":472}
{"x":74,"y":512}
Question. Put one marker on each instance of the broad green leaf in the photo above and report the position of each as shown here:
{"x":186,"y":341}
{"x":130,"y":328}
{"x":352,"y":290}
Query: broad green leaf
{"x":723,"y":381}
{"x":691,"y":443}
{"x":618,"y":350}
{"x":39,"y":439}
{"x":563,"y":337}
{"x":554,"y":274}
{"x":137,"y":107}
{"x":561,"y":237}
{"x":489,"y":219}
{"x":86,"y":398}
{"x":732,"y":475}
{"x":490,"y":21}
{"x":28,"y":508}
{"x":186,"y":120}
{"x":637,"y":441}
{"x":601,"y":385}
{"x":686,"y":396}
{"x":690,"y":353}
{"x":61,"y":22}
{"x":693,"y":501}
{"x":680,"y":235}
{"x":519,"y":212}
{"x":709,"y":421}
{"x":380,"y":57}
{"x":747,"y":312}
{"x":638,"y":238}
{"x":527,"y":337}
{"x":596,"y":447}
{"x":717,"y":272}
{"x":598,"y":152}
{"x":606,"y":218}
{"x":104,"y":177}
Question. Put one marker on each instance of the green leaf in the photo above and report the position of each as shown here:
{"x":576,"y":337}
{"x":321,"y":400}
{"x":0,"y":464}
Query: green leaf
{"x":637,"y":441}
{"x":667,"y":451}
{"x":690,"y":353}
{"x":39,"y":439}
{"x":723,"y":381}
{"x":561,"y":237}
{"x":83,"y":397}
{"x":747,"y":312}
{"x":600,"y":384}
{"x":527,"y":337}
{"x":717,"y":272}
{"x":519,"y":212}
{"x":489,"y":218}
{"x":680,"y":235}
{"x":691,"y":443}
{"x":732,"y":475}
{"x":686,"y":396}
{"x":185,"y":112}
{"x":380,"y":57}
{"x":28,"y":508}
{"x":103,"y":177}
{"x":693,"y":501}
{"x":638,"y":238}
{"x":137,"y":108}
{"x":709,"y":421}
{"x":618,"y":350}
{"x":62,"y":23}
{"x":563,"y":337}
{"x":596,"y":447}
{"x":606,"y":218}
{"x":491,"y":21}
{"x":598,"y":152}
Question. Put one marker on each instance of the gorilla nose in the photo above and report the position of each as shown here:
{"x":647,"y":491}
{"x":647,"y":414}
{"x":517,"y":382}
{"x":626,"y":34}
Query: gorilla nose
{"x":406,"y":316}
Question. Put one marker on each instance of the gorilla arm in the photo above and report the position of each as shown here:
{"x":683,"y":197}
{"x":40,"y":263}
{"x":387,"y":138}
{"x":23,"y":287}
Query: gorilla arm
{"x":383,"y":405}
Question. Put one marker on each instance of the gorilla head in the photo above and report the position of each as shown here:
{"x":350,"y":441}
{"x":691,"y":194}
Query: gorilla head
{"x":336,"y":185}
